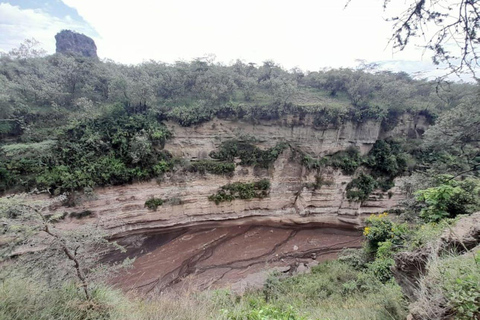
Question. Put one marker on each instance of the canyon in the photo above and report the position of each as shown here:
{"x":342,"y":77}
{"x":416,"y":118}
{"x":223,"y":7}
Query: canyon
{"x":197,"y":244}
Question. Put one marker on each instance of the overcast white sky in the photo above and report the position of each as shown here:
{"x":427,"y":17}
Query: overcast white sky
{"x":309,"y":34}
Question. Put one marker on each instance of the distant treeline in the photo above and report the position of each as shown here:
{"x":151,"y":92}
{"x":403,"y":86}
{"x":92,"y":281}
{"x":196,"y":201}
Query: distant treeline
{"x":42,"y":92}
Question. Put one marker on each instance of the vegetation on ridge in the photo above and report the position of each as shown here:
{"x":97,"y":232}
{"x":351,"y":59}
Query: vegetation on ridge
{"x":70,"y":123}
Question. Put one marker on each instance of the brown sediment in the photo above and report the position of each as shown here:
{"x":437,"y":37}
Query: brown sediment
{"x":199,"y":244}
{"x":236,"y":257}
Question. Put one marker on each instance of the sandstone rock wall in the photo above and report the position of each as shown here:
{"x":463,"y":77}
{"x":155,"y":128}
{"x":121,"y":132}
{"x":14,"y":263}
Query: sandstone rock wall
{"x":120,"y":209}
{"x":198,"y":141}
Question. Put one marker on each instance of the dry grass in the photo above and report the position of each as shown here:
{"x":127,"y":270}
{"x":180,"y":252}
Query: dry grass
{"x":442,"y":290}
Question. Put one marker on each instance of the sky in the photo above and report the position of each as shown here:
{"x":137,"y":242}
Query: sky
{"x":306,"y":34}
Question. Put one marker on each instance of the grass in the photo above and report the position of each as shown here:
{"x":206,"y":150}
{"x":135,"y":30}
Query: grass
{"x":25,"y":299}
{"x":27,"y":149}
{"x":334,"y":290}
{"x":428,"y":232}
{"x":450,"y":287}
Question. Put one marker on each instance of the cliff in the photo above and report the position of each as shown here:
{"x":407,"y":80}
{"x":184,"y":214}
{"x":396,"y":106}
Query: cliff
{"x":121,"y":211}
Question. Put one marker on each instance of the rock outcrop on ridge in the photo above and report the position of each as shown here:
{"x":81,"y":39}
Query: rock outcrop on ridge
{"x":70,"y":42}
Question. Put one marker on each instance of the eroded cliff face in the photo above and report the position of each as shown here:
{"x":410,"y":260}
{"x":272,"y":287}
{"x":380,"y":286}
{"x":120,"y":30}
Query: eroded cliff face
{"x":196,"y":142}
{"x":120,"y":209}
{"x":194,"y":244}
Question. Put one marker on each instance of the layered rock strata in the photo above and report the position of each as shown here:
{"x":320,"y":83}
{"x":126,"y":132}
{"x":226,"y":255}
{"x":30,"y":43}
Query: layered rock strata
{"x":121,"y":210}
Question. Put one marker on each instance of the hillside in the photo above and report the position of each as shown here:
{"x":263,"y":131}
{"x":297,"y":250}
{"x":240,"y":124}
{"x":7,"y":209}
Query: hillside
{"x":244,"y":179}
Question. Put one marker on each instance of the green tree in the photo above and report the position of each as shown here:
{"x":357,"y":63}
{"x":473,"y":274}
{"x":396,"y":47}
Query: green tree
{"x":449,"y":198}
{"x":31,"y":242}
{"x":456,"y":139}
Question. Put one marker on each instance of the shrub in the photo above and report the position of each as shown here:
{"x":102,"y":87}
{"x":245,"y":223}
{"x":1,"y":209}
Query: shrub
{"x":241,"y":190}
{"x":81,"y":214}
{"x":214,"y":167}
{"x":26,"y":298}
{"x":360,"y":188}
{"x":333,"y":290}
{"x":450,"y":289}
{"x":115,"y":148}
{"x":311,"y":163}
{"x":196,"y":113}
{"x":356,"y":258}
{"x":449,"y":198}
{"x":464,"y":295}
{"x":326,"y":117}
{"x":249,"y":154}
{"x":387,"y":158}
{"x":380,"y":229}
{"x":348,"y":161}
{"x":153,"y":203}
{"x":382,"y":268}
{"x":265,"y":312}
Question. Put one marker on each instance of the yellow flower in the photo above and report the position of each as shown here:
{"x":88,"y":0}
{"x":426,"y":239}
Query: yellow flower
{"x":366,"y":231}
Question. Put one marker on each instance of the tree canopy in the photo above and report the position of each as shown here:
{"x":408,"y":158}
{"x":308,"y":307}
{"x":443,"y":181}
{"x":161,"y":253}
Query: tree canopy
{"x":451,"y":30}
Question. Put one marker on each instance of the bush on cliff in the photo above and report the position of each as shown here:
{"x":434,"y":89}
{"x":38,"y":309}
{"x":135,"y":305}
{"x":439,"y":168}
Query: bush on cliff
{"x":241,"y":190}
{"x":213,"y":167}
{"x":249,"y":154}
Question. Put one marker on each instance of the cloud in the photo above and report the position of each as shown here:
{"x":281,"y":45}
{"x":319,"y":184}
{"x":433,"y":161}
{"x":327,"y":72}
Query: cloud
{"x":424,"y":70}
{"x":310,"y":34}
{"x":17,"y":24}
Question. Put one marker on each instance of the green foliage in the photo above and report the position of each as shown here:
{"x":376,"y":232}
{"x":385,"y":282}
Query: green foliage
{"x":319,"y":182}
{"x":115,"y":148}
{"x":387,"y":158}
{"x":153,"y":203}
{"x":348,"y":160}
{"x":464,"y":296}
{"x":241,"y":190}
{"x":380,"y":229}
{"x":22,"y":298}
{"x":47,"y":91}
{"x":384,"y":238}
{"x":428,"y":232}
{"x":360,"y":188}
{"x":263,"y":311}
{"x":311,"y":163}
{"x":386,"y":161}
{"x":449,"y":198}
{"x":458,"y":279}
{"x":7,"y":178}
{"x":194,"y":114}
{"x":334,"y":290}
{"x":249,"y":154}
{"x":381,"y":269}
{"x":454,"y":139}
{"x":214,"y":167}
{"x":355,"y":258}
{"x":327,"y":117}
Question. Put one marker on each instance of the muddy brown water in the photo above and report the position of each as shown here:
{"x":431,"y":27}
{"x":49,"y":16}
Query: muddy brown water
{"x":234,"y":257}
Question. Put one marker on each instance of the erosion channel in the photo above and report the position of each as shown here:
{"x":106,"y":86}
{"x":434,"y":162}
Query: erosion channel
{"x":227,"y":256}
